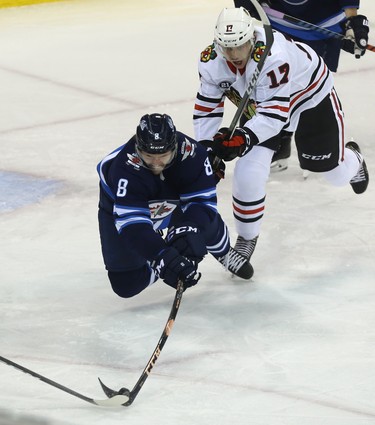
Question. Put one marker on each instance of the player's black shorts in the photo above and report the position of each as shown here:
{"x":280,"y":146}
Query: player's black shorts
{"x":319,"y":135}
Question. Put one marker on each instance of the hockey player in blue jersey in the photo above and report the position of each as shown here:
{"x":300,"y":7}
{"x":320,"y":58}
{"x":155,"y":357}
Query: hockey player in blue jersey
{"x":160,"y":179}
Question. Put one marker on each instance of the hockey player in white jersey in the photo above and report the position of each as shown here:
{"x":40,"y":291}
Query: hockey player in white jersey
{"x":339,"y":16}
{"x":294,"y":93}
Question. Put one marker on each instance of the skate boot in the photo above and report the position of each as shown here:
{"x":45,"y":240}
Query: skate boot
{"x":360,"y":181}
{"x":237,"y":264}
{"x":245,"y":247}
{"x":279,"y":165}
{"x":280,"y":157}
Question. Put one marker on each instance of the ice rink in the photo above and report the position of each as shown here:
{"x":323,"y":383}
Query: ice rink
{"x":293,"y":346}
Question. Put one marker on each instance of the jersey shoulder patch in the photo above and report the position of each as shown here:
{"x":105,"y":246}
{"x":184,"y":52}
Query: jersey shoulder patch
{"x":209,"y":53}
{"x":187,"y":149}
{"x":258,"y":50}
{"x":134,"y":160}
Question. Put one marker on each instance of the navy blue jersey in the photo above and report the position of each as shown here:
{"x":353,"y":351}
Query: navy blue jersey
{"x":326,"y":13}
{"x":142,"y":202}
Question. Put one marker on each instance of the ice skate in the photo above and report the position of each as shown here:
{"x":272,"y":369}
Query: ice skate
{"x":237,"y":264}
{"x":245,"y":247}
{"x":280,"y":165}
{"x":360,"y":181}
{"x":281,"y":156}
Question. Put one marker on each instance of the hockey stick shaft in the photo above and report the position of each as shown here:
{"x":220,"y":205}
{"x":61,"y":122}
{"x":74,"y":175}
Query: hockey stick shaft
{"x":252,"y":83}
{"x":155,"y":355}
{"x":44,"y":379}
{"x":301,"y":23}
{"x":123,"y":397}
{"x":255,"y":76}
{"x":163,"y":339}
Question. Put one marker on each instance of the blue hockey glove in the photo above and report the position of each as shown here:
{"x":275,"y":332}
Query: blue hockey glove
{"x":170,"y":266}
{"x":356,"y":35}
{"x":188,"y":241}
{"x":228,"y":148}
{"x":217,"y":164}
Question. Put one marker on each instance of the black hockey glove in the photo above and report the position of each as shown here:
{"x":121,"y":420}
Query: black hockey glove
{"x":188,"y":241}
{"x":217,"y":164}
{"x":227,"y":148}
{"x":170,"y":266}
{"x":356,"y":35}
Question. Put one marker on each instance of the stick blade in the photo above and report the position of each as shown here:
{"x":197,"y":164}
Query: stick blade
{"x":115,"y":398}
{"x":118,"y":400}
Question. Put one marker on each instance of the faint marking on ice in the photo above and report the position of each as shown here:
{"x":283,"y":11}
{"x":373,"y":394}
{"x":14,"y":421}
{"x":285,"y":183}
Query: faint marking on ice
{"x":18,"y":190}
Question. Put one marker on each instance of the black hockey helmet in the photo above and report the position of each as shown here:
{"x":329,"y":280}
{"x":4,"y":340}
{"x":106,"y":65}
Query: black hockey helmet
{"x":156,"y":134}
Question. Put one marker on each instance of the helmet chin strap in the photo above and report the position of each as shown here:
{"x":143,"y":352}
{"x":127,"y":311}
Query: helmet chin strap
{"x":252,"y":50}
{"x":144,"y":164}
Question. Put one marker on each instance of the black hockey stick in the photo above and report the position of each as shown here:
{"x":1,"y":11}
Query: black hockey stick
{"x":117,"y":400}
{"x":131,"y":395}
{"x":254,"y":78}
{"x":123,"y":397}
{"x":258,"y":69}
{"x":304,"y":24}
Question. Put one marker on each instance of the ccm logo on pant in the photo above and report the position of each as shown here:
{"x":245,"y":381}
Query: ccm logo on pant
{"x":316,"y":157}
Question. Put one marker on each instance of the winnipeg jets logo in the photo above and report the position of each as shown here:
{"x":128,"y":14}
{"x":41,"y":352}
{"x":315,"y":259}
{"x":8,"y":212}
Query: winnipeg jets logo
{"x":160,"y":209}
{"x":187,"y":149}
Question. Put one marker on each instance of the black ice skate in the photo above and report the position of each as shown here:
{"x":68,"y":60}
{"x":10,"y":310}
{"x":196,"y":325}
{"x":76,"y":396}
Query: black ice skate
{"x":360,"y":181}
{"x":237,"y":264}
{"x":281,"y":156}
{"x":245,"y":247}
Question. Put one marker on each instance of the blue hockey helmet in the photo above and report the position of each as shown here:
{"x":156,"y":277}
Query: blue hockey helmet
{"x":156,"y":134}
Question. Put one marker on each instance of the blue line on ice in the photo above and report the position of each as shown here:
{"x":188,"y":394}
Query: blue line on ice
{"x":18,"y":190}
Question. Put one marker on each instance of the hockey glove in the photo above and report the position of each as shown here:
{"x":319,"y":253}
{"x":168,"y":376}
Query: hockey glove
{"x":217,"y":164}
{"x":170,"y":266}
{"x":227,"y":148}
{"x":356,"y":35}
{"x":188,"y":241}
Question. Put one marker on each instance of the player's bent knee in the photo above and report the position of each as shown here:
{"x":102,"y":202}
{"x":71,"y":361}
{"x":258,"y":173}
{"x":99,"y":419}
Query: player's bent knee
{"x":129,"y":283}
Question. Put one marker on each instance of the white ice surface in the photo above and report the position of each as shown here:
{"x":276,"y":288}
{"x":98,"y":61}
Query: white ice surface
{"x":293,"y":346}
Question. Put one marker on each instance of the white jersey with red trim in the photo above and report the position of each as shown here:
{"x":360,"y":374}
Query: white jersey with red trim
{"x":293,"y":79}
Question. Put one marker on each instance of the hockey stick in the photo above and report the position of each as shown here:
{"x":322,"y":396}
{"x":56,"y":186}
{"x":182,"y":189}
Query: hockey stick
{"x":131,"y":395}
{"x":123,"y":397}
{"x":308,"y":25}
{"x":254,"y":78}
{"x":117,"y":400}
